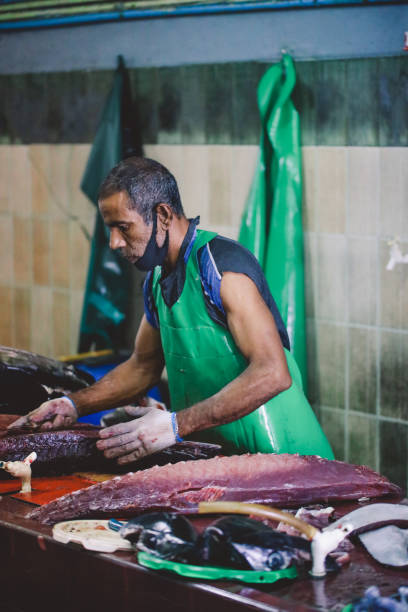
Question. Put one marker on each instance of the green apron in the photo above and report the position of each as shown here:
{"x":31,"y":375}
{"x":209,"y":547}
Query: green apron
{"x":202,"y":357}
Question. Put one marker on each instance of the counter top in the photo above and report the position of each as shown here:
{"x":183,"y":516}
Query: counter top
{"x":39,"y":573}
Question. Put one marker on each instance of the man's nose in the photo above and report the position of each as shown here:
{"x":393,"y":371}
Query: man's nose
{"x":116,"y":241}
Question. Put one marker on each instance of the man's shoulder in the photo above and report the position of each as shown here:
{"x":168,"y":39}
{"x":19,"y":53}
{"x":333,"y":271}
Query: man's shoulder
{"x":229,"y":255}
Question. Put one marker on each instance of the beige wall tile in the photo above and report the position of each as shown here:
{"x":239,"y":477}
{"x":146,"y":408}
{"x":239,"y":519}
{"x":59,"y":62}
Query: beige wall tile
{"x":362,"y":280}
{"x":60,"y":253}
{"x":311,"y":273}
{"x":23,"y":250}
{"x":363,"y":370}
{"x":77,"y":298}
{"x":404,"y":211}
{"x":4,"y":177}
{"x":194,"y":184}
{"x":363,"y":189}
{"x":219,"y":176}
{"x":61,"y":323}
{"x":6,"y":316}
{"x":331,"y":255}
{"x":243,"y":165}
{"x":79,"y":203}
{"x":312,"y":369}
{"x":19,"y":183}
{"x":22,"y":313}
{"x":393,"y":289}
{"x":6,"y":249}
{"x":309,"y":204}
{"x":42,"y":251}
{"x":42,"y":330}
{"x":331,"y":189}
{"x":79,"y":256}
{"x":60,"y":190}
{"x":171,"y":156}
{"x":393,"y":192}
{"x":41,"y":179}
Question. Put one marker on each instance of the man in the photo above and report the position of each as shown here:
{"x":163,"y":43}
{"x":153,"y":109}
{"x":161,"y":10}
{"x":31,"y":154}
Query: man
{"x":210,"y":318}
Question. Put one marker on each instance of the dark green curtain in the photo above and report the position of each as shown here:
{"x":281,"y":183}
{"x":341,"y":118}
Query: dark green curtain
{"x":272,"y":221}
{"x":107,"y":287}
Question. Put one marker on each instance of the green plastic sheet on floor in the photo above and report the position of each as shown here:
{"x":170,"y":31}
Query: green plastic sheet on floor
{"x":272,"y":221}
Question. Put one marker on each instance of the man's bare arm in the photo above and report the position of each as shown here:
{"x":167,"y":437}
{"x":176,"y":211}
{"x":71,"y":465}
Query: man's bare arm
{"x":124,"y":384}
{"x":254,"y":330}
{"x":129,"y":380}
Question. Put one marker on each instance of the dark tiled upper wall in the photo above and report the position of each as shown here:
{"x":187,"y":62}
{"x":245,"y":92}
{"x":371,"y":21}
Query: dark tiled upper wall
{"x":348,"y":102}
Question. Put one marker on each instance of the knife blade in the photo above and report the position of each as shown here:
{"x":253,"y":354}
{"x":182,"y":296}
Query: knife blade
{"x":372,"y":514}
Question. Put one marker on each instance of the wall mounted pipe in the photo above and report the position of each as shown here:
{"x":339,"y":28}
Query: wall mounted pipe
{"x":180,"y":11}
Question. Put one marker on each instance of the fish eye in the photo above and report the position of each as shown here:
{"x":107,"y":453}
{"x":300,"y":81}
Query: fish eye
{"x":275,"y":560}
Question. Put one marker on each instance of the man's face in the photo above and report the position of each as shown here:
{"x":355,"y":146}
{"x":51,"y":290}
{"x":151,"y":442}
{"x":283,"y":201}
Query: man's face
{"x":129,"y":234}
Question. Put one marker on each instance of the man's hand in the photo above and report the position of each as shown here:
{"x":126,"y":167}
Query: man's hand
{"x":142,"y":436}
{"x":54,"y":414}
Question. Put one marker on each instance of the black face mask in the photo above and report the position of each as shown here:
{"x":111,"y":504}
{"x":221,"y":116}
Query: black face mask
{"x":153,"y":255}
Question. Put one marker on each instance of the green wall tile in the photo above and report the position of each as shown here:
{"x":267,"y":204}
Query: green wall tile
{"x":356,"y":102}
{"x":331,"y":360}
{"x":169,"y":105}
{"x":362,"y":370}
{"x":332,"y":422}
{"x":304,"y":98}
{"x":193,"y":104}
{"x":362,"y":434}
{"x":4,"y":119}
{"x":362,"y":103}
{"x":218,"y":104}
{"x":33,"y":118}
{"x":244,"y":104}
{"x":393,"y":452}
{"x":393,"y":101}
{"x":144,"y":83}
{"x":394,"y":380}
{"x":98,"y":87}
{"x":331,"y":111}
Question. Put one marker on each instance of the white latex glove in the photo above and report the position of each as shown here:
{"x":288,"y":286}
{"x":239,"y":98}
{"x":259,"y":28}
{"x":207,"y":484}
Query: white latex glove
{"x":55,"y":413}
{"x":143,"y":436}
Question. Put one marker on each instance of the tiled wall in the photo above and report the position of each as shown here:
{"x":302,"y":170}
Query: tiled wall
{"x":357,"y":312}
{"x":355,"y":204}
{"x":202,"y":123}
{"x":44,"y":223}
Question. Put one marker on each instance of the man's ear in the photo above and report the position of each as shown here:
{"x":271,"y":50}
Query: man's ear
{"x":164,"y":216}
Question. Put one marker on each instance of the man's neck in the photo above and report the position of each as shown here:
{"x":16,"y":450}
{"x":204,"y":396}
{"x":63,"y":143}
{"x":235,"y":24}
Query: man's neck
{"x":177,"y":233}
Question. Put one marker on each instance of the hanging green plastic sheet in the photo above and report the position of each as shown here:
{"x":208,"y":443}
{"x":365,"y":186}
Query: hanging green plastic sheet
{"x":272,"y":221}
{"x":108,"y":278}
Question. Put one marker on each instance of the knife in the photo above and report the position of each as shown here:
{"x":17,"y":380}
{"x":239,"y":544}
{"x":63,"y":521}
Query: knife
{"x":371,"y":514}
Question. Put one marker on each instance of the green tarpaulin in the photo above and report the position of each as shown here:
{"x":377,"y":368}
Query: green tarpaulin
{"x":107,"y":285}
{"x":272,"y":221}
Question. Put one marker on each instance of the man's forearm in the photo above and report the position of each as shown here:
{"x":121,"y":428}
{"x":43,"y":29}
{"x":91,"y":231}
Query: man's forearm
{"x":244,"y":394}
{"x":126,"y":383}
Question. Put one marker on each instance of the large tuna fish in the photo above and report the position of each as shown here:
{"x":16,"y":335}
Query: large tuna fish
{"x":279,"y":480}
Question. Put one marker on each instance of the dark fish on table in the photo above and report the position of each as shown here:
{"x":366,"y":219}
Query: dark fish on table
{"x":233,"y":541}
{"x":27,"y":380}
{"x":74,"y":449}
{"x":247,"y":544}
{"x":280,"y":480}
{"x":166,"y":535}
